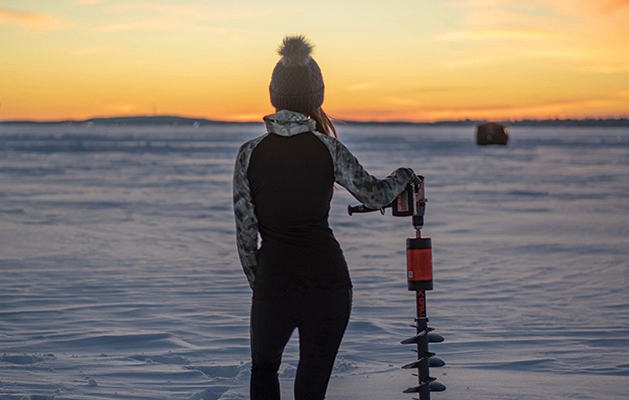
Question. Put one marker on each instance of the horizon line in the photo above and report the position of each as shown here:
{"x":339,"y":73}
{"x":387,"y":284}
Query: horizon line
{"x":340,"y":121}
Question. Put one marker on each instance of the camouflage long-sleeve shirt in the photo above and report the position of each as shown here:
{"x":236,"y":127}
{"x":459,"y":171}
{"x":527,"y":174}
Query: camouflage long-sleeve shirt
{"x":347,"y":170}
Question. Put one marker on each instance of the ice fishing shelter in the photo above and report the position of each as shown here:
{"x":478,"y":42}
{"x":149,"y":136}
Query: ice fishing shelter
{"x":491,"y":133}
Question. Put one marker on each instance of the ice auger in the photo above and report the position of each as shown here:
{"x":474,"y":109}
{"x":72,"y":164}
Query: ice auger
{"x":412,"y":203}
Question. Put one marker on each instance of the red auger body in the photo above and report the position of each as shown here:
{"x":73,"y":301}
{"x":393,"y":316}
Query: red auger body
{"x":419,"y":263}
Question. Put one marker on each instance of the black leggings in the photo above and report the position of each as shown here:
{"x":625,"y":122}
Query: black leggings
{"x":321,"y":318}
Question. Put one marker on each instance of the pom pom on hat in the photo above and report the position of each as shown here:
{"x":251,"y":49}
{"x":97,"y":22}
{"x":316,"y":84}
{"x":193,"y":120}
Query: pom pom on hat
{"x":295,"y":51}
{"x":296,"y":82}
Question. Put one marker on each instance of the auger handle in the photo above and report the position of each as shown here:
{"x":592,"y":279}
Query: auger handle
{"x":361,"y":208}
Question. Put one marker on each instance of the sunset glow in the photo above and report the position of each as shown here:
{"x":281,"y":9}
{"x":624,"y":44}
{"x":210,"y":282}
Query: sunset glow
{"x":402,"y":60}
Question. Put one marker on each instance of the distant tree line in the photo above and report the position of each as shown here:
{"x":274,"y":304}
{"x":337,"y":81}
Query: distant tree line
{"x":587,"y":122}
{"x":165,"y":120}
{"x":616,"y":122}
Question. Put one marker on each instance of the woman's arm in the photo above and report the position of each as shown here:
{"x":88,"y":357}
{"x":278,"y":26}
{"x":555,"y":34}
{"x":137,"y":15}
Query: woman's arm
{"x":369,"y":190}
{"x":246,"y":220}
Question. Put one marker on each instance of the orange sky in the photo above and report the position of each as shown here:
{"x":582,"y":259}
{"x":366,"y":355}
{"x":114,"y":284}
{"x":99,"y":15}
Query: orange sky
{"x":400,"y":60}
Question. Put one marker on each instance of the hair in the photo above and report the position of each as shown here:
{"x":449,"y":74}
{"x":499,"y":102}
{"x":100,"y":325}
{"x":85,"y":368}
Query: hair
{"x":324,"y":123}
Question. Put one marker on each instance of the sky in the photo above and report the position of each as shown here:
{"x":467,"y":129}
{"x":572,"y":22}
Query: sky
{"x":386,"y":60}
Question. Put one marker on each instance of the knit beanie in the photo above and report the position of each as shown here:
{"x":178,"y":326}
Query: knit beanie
{"x":296,"y":82}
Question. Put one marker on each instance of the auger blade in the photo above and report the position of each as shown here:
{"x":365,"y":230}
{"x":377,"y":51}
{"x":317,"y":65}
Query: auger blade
{"x":435,"y":362}
{"x":415,"y":364}
{"x":435,"y":338}
{"x":436,"y":387}
{"x":432,"y":338}
{"x":417,"y":389}
{"x":415,"y":338}
{"x":415,"y":326}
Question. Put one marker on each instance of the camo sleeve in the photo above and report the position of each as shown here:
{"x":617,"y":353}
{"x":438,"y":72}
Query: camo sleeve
{"x":246,"y":220}
{"x":366,"y":188}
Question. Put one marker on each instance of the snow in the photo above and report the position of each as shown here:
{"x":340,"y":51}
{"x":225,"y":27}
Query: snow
{"x":120,"y":278}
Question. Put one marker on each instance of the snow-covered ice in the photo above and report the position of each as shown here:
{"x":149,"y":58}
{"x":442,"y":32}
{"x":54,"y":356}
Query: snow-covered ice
{"x":120,"y":280}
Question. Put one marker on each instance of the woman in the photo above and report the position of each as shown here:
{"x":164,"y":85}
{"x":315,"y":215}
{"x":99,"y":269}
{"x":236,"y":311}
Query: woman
{"x":283,"y":184}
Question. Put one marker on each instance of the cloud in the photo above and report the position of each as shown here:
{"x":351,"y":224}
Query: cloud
{"x":498,"y":34}
{"x":574,"y":56}
{"x":189,"y":12}
{"x":578,"y":108}
{"x":179,"y":17}
{"x":509,"y":10}
{"x":88,"y":51}
{"x":586,"y":8}
{"x":90,"y":2}
{"x":360,"y":87}
{"x":122,"y":108}
{"x":162,"y":24}
{"x":614,"y":5}
{"x":432,"y":89}
{"x":585,"y":35}
{"x":476,"y":61}
{"x":400,"y":101}
{"x":245,"y":117}
{"x":500,"y":13}
{"x":561,"y":109}
{"x":609,"y":68}
{"x":32,"y":20}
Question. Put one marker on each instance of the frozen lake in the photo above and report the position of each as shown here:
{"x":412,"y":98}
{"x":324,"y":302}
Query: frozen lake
{"x":120,"y":278}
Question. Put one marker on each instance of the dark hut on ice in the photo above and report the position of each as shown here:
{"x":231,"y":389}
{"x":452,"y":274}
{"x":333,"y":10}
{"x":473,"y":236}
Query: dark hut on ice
{"x":491,"y":133}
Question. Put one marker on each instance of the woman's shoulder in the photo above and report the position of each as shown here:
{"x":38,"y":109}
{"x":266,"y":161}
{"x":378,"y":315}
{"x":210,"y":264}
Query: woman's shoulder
{"x":251,"y":144}
{"x":334,"y":145}
{"x":329,"y":141}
